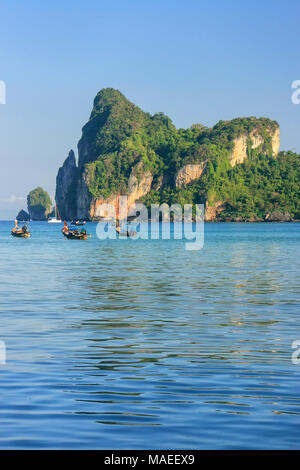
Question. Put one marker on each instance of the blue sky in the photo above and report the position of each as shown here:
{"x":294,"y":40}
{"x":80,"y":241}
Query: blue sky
{"x":197,"y":61}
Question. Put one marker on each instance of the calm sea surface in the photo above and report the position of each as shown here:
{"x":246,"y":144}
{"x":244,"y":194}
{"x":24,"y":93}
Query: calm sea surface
{"x":142,"y":344}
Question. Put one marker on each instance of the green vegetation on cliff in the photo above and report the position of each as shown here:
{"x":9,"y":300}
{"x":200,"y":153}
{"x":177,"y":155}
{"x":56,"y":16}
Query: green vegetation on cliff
{"x":39,"y":204}
{"x":119,"y":135}
{"x":257,"y":186}
{"x":248,"y":191}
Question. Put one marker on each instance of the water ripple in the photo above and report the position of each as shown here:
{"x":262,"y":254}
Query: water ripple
{"x":143,"y":344}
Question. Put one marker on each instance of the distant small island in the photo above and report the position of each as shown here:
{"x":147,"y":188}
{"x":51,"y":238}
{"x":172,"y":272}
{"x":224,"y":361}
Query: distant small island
{"x":233,"y":168}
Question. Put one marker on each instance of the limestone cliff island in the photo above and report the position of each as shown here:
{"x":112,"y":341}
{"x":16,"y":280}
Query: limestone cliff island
{"x":234,"y":168}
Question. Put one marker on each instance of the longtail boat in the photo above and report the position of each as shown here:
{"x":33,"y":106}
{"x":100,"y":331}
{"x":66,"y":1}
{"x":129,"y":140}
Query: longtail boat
{"x":21,"y":232}
{"x":74,"y":234}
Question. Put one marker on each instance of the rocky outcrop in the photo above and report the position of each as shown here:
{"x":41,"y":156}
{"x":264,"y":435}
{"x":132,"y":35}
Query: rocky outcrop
{"x":240,"y":144}
{"x":84,"y":199}
{"x":278,"y":217}
{"x":212,"y":210}
{"x":23,"y":216}
{"x":65,"y":201}
{"x":38,"y":212}
{"x":139,"y":183}
{"x":38,"y":204}
{"x":189,"y":173}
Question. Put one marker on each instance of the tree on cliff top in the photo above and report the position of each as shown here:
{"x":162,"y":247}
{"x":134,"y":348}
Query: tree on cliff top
{"x":119,"y":135}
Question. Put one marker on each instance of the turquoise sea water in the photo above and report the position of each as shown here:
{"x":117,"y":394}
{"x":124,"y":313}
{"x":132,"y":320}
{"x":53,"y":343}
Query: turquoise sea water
{"x":142,"y":344}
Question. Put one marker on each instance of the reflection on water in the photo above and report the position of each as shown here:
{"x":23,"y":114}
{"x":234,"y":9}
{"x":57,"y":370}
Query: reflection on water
{"x":138,"y":344}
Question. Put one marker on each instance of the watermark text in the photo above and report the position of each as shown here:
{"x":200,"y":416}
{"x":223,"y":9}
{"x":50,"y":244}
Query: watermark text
{"x":296,"y":354}
{"x":296,"y":94}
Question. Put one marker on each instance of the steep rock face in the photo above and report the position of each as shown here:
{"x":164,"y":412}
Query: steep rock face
{"x":64,"y":184}
{"x":276,"y":141}
{"x":38,"y":212}
{"x":139,"y":184}
{"x":239,"y":152}
{"x":188,"y":174}
{"x":84,"y":199}
{"x":100,"y":176}
{"x":98,"y":210}
{"x":240,"y":144}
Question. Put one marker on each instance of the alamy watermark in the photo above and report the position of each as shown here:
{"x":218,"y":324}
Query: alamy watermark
{"x":296,"y":94}
{"x":188,"y":222}
{"x":2,"y":92}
